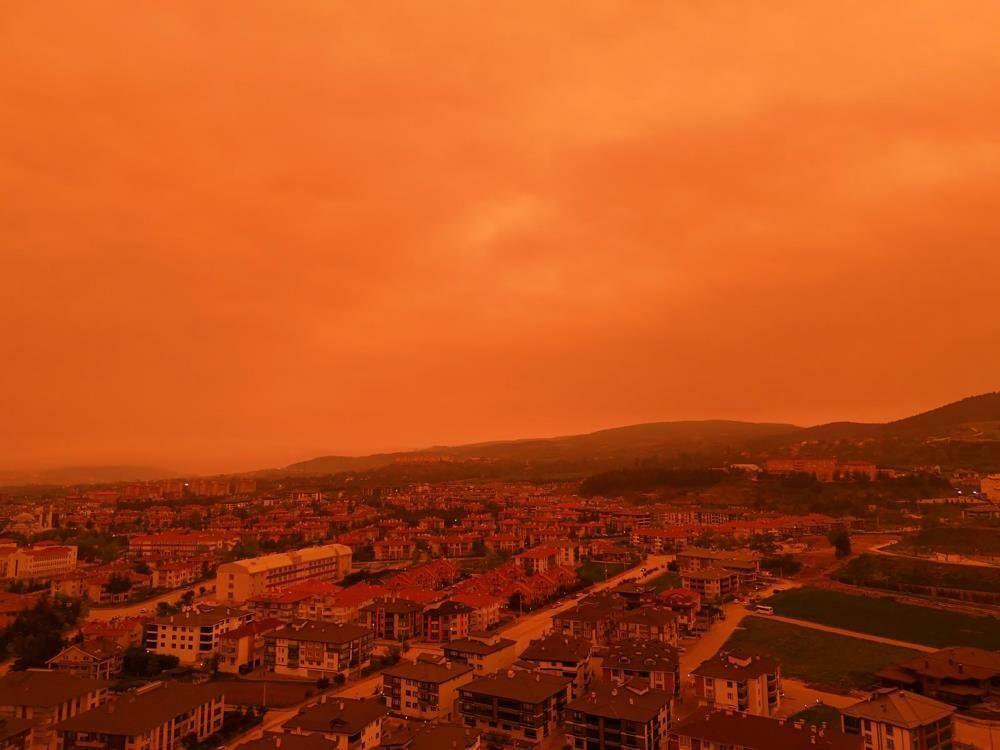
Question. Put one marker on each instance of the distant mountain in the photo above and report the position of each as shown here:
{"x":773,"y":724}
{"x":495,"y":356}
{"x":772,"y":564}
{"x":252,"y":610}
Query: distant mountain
{"x":616,"y":444}
{"x":964,"y":433}
{"x":84,"y":475}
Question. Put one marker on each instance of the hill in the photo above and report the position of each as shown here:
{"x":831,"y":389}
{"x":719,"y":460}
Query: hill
{"x":68,"y":475}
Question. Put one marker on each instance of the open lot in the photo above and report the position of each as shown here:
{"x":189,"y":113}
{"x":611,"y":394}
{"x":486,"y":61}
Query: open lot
{"x":888,"y":618}
{"x":593,"y":571}
{"x":975,"y":583}
{"x":826,"y":660}
{"x":961,"y":540}
{"x":668,"y":580}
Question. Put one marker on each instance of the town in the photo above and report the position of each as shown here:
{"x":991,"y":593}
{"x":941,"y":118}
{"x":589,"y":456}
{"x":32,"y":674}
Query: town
{"x":261,"y":613}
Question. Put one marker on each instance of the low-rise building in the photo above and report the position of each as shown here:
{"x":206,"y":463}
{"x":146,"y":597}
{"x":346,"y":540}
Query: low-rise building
{"x":15,"y":734}
{"x":394,"y":619}
{"x":610,"y":716}
{"x":520,"y":707}
{"x":317,"y":649}
{"x":160,"y":716}
{"x":447,"y":622}
{"x":426,"y":689}
{"x":242,"y":650}
{"x":750,"y":684}
{"x":961,"y":676}
{"x":42,"y":562}
{"x":485,"y":609}
{"x":649,"y":623}
{"x":715,"y":584}
{"x":96,"y":658}
{"x":563,"y":656}
{"x":655,"y":662}
{"x":894,"y":719}
{"x":352,"y":724}
{"x":486,"y":654}
{"x":193,"y":636}
{"x":47,"y":697}
{"x":591,"y":622}
{"x":422,"y":736}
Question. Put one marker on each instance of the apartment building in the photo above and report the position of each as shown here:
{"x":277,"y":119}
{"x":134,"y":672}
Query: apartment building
{"x":649,"y":623}
{"x":588,"y":621}
{"x":961,"y":676}
{"x":193,"y":636}
{"x":485,"y":609}
{"x":178,"y":544}
{"x":821,"y":469}
{"x":745,"y":564}
{"x":242,"y":650}
{"x":893,"y":719}
{"x":96,"y":658}
{"x":317,"y":649}
{"x":447,"y":622}
{"x":394,"y":549}
{"x":485,"y":655}
{"x":350,"y":723}
{"x":15,"y":734}
{"x":713,"y":584}
{"x":426,"y":689}
{"x":749,"y":684}
{"x":47,"y":697}
{"x":563,"y":656}
{"x":156,"y":717}
{"x":655,"y":662}
{"x":243,"y":579}
{"x":520,"y":707}
{"x":394,"y":620}
{"x":630,"y":716}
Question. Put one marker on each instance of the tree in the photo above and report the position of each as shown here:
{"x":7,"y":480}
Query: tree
{"x":142,"y":568}
{"x":119,"y":583}
{"x":841,"y":541}
{"x":165,"y":609}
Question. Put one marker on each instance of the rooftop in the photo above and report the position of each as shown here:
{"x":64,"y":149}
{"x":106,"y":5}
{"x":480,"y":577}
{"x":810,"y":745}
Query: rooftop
{"x":338,"y":716}
{"x":900,"y":708}
{"x":633,"y":701}
{"x":138,"y":713}
{"x":528,"y":687}
{"x":44,"y":687}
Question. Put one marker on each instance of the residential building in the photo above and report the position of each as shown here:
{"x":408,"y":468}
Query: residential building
{"x":243,"y":579}
{"x":15,"y":734}
{"x":520,"y":707}
{"x":422,"y":736}
{"x":893,"y":719}
{"x":590,"y":622}
{"x":749,"y":684}
{"x":352,"y":724}
{"x":563,"y":656}
{"x":649,"y":623}
{"x":394,"y":619}
{"x":745,"y":564}
{"x":394,"y":549}
{"x":242,"y":650}
{"x":820,"y":469}
{"x":485,"y":609}
{"x":716,"y":729}
{"x":538,"y":560}
{"x":96,"y":658}
{"x":47,"y":697}
{"x":714,"y":584}
{"x":447,"y":622}
{"x":486,"y":655}
{"x":317,"y":649}
{"x":177,"y":544}
{"x":41,"y":562}
{"x":656,"y":662}
{"x":193,"y":636}
{"x":629,"y":716}
{"x":426,"y":689}
{"x":961,"y":676}
{"x":156,"y":717}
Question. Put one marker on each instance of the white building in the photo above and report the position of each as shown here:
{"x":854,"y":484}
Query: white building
{"x":243,"y":579}
{"x":193,"y":636}
{"x":40,"y":563}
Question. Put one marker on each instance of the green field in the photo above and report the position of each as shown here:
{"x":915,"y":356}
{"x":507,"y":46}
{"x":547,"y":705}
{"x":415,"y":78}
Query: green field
{"x":818,"y":714}
{"x":962,"y":540}
{"x":595,"y":572}
{"x":668,"y":580}
{"x":912,"y":574}
{"x":826,"y":660}
{"x":888,"y":618}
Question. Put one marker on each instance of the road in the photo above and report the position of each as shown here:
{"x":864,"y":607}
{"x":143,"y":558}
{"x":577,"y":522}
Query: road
{"x":136,"y":609}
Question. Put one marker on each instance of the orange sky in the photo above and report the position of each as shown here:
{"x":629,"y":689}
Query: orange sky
{"x":236,"y":234}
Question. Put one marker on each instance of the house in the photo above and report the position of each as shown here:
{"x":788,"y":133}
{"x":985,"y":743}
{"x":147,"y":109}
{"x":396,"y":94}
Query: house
{"x":893,"y":719}
{"x":685,"y":603}
{"x":283,"y":604}
{"x":426,"y":689}
{"x":244,"y":579}
{"x":745,"y":564}
{"x":175,"y":573}
{"x":160,"y":716}
{"x":96,"y":658}
{"x":47,"y":696}
{"x":341,"y":607}
{"x":563,"y":656}
{"x":715,"y":729}
{"x":448,"y":621}
{"x":960,"y":676}
{"x":649,"y":623}
{"x":612,"y":716}
{"x":317,"y":649}
{"x":538,"y":560}
{"x":486,"y":655}
{"x":656,"y":662}
{"x":395,"y":549}
{"x":394,"y":620}
{"x":193,"y":636}
{"x":242,"y":650}
{"x":352,"y":724}
{"x":750,"y":684}
{"x":520,"y":707}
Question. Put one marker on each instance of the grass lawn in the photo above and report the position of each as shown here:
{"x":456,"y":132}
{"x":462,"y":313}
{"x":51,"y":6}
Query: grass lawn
{"x":963,"y":540}
{"x":888,"y":618}
{"x":819,"y":714}
{"x":594,"y":572}
{"x":826,"y":660}
{"x":668,"y":580}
